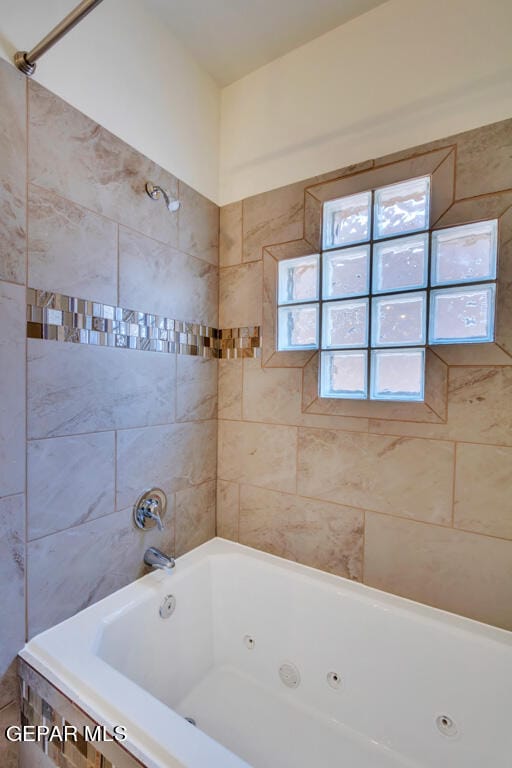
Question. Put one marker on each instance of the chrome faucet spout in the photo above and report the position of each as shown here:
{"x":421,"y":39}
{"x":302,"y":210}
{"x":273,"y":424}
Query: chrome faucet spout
{"x":156,"y":559}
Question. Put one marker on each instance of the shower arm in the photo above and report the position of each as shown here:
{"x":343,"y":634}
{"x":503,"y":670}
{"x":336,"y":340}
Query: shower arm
{"x":26,"y":60}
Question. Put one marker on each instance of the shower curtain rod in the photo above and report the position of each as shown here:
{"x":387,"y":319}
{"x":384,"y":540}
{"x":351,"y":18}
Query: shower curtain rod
{"x":26,"y":60}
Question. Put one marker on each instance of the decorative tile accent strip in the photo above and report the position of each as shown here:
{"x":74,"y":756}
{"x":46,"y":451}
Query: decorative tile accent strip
{"x":239,"y":342}
{"x":57,"y":317}
{"x":43,"y":704}
{"x":75,"y":752}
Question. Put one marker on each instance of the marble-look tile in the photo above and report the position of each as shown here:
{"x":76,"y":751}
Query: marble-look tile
{"x":230,"y":235}
{"x":315,"y":533}
{"x":478,"y":409}
{"x":457,"y":571}
{"x":74,"y":388}
{"x":476,"y":209}
{"x":479,"y":405}
{"x":32,"y":756}
{"x":9,"y":751}
{"x":172,"y":457}
{"x":482,"y":490}
{"x":473,"y":354}
{"x":13,"y":162}
{"x":240,"y":296}
{"x":196,"y":390}
{"x":484,"y":159}
{"x":228,"y":500}
{"x":154,"y":277}
{"x":347,"y":170}
{"x":420,"y":149}
{"x":80,"y":565}
{"x":70,"y":249}
{"x":72,"y":155}
{"x":272,"y":217}
{"x":417,"y":164}
{"x":259,"y":454}
{"x":12,"y":402}
{"x":9,"y":686}
{"x":198,"y":225}
{"x":442,"y":187}
{"x":313,"y":221}
{"x":406,"y":477}
{"x":195,"y":516}
{"x":12,"y":590}
{"x":70,"y":481}
{"x":274,"y":395}
{"x":230,"y":389}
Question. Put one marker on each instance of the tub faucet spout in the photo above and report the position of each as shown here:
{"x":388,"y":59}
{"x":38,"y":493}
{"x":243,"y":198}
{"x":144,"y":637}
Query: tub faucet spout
{"x":156,"y":559}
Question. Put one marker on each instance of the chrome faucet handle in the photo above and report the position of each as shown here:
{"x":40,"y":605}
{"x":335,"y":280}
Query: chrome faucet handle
{"x":149,"y":509}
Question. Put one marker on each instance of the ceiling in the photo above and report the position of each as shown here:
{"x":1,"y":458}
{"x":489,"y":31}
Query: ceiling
{"x":231,"y":38}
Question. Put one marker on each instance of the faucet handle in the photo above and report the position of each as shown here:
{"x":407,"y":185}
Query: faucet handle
{"x":150,"y":512}
{"x":149,"y":509}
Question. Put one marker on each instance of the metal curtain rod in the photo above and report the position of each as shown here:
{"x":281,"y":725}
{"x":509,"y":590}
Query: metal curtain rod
{"x":26,"y":61}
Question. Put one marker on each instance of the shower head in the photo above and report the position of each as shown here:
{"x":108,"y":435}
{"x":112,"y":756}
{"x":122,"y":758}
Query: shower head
{"x":154,"y":191}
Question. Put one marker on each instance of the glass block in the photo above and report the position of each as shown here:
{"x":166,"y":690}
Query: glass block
{"x":398,"y":374}
{"x":345,"y":324}
{"x":402,"y":208}
{"x":465,"y":254}
{"x":298,"y":327}
{"x":400,"y":264}
{"x":344,"y":374}
{"x":462,"y":315}
{"x":347,"y":220}
{"x":298,"y":279}
{"x":346,"y":273}
{"x":399,"y":320}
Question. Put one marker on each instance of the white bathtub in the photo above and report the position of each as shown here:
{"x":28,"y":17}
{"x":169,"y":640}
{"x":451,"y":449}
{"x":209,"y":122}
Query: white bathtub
{"x":399,"y":666}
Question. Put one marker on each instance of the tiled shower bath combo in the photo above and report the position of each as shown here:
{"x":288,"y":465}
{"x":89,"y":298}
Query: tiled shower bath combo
{"x":140,"y":349}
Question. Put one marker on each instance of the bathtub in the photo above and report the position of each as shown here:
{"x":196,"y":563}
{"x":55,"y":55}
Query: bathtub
{"x":282,"y":666}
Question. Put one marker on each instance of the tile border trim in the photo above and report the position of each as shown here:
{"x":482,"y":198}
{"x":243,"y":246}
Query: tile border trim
{"x":41,"y":704}
{"x":57,"y":317}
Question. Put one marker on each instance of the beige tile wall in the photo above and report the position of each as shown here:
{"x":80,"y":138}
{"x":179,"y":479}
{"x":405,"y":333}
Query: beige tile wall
{"x":103,"y":424}
{"x":415,"y":504}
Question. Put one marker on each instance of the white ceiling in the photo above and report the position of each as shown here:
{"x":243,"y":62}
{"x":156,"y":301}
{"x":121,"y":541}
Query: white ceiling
{"x":231,"y":38}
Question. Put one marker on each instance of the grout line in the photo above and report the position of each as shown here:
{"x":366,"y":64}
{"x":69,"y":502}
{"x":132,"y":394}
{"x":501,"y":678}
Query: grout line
{"x":362,"y":431}
{"x":130,"y":227}
{"x":122,"y":509}
{"x":454,"y":480}
{"x":366,"y":510}
{"x":115,"y":470}
{"x":118,"y":262}
{"x":12,"y":495}
{"x":363,"y":546}
{"x":238,"y":492}
{"x":27,"y":225}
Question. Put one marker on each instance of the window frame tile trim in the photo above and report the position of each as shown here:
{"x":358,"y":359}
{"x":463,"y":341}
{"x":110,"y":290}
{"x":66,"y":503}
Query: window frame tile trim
{"x":428,"y":287}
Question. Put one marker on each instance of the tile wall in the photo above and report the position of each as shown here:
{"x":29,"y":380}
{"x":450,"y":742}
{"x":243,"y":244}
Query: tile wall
{"x":414,"y":503}
{"x":85,"y":429}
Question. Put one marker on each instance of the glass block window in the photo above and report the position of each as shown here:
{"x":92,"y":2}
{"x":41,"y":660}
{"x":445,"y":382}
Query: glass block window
{"x":383,"y":289}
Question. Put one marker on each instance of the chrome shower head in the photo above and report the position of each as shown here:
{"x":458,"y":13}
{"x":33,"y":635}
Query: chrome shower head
{"x":154,"y":191}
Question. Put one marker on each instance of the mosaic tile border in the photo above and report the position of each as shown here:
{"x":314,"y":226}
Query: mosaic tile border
{"x":75,"y":753}
{"x":57,"y":317}
{"x":42,"y":704}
